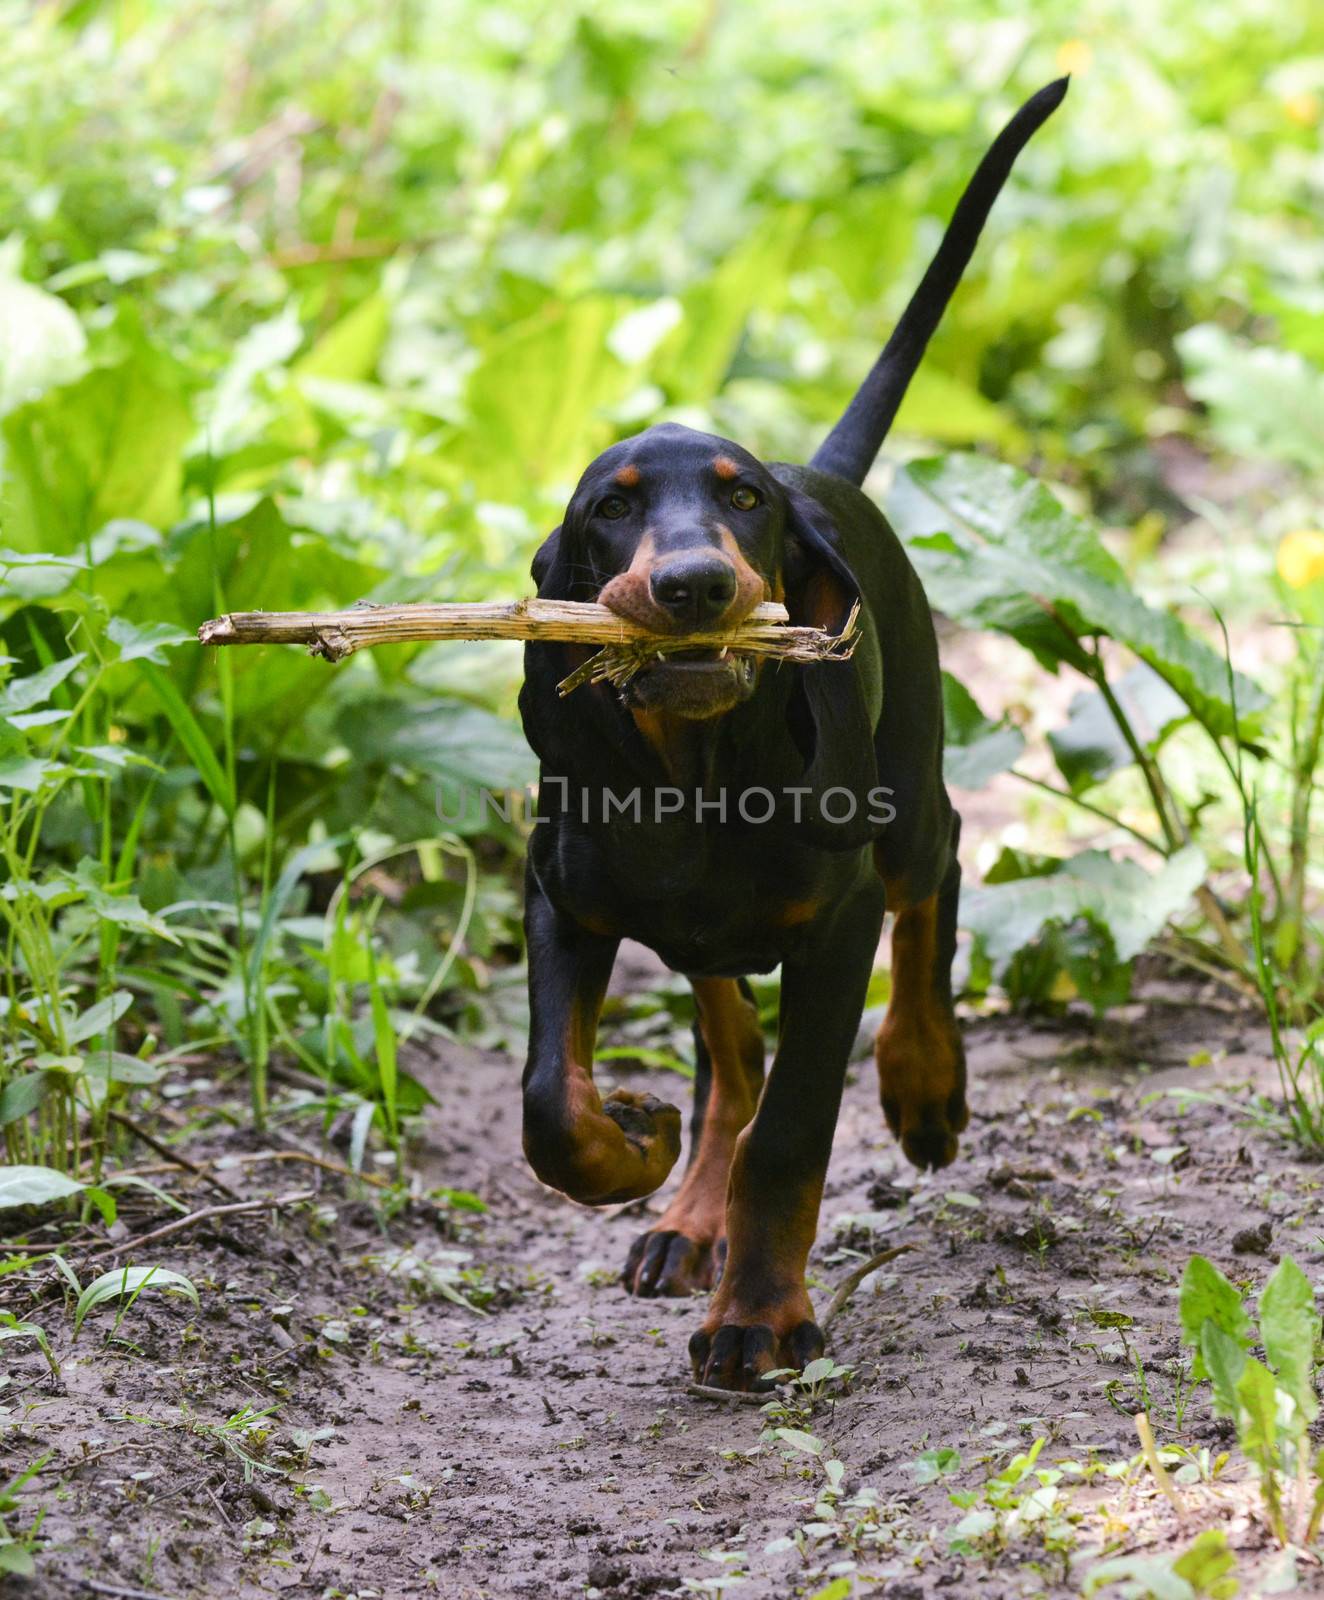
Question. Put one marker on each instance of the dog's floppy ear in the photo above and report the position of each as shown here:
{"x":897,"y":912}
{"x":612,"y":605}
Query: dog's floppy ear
{"x":831,"y":717}
{"x":544,"y":564}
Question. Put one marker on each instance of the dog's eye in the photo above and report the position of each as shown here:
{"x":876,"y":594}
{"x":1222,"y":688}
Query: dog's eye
{"x":744,"y":498}
{"x":613,"y":507}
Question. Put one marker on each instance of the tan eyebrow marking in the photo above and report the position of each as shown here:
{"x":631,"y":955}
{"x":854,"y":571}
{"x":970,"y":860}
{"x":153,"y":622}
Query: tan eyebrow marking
{"x":627,"y":477}
{"x":724,"y":467}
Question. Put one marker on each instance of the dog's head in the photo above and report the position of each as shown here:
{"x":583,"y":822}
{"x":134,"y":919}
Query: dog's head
{"x":684,"y":532}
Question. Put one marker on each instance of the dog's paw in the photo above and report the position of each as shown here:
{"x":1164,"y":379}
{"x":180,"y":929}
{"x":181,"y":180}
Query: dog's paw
{"x":921,"y":1083}
{"x":928,"y":1129}
{"x":737,"y":1346}
{"x":651,"y":1127}
{"x":666,"y":1263}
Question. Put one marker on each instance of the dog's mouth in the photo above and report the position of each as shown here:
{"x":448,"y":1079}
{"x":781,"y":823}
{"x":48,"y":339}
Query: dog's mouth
{"x":693,"y":683}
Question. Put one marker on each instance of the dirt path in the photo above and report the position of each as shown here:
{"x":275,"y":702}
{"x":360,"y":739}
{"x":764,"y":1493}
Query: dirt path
{"x":549,"y":1449}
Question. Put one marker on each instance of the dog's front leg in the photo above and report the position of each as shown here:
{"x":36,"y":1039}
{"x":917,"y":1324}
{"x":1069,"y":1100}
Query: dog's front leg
{"x":760,"y":1317}
{"x":596,"y":1151}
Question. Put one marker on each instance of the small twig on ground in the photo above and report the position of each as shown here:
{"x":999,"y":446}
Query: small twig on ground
{"x":118,"y":1591}
{"x":741,"y":1397}
{"x":140,"y":1133}
{"x":854,"y":1279}
{"x":1150,"y":1452}
{"x":204,"y":1215}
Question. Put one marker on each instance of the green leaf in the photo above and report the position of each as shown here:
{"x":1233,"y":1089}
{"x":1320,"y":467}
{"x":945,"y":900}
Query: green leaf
{"x":1258,"y":1394}
{"x":34,"y":1186}
{"x":1222,"y":1359}
{"x":28,"y":775}
{"x":1120,"y":897}
{"x":21,"y":1096}
{"x":996,"y":550}
{"x":798,"y":1439}
{"x":97,"y":1018}
{"x":349,"y":349}
{"x":12,"y":1328}
{"x":1265,"y":402}
{"x":1091,"y":748}
{"x":41,"y":342}
{"x":146,"y":641}
{"x":1209,"y":1566}
{"x":1289,"y":1326}
{"x":130,"y":1282}
{"x":190,"y":735}
{"x":107,"y":446}
{"x":1207,"y":1296}
{"x":976,"y":749}
{"x":21,"y":694}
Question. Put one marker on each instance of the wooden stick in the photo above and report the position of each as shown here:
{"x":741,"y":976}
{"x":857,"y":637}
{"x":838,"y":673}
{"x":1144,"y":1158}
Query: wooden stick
{"x":175,"y":1157}
{"x":334,"y":635}
{"x":852,"y":1281}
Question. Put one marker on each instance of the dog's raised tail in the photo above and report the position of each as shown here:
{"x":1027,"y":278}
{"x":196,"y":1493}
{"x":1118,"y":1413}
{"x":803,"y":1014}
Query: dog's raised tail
{"x":850,"y":448}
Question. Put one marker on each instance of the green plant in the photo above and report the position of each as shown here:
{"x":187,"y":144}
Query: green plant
{"x":19,"y":1547}
{"x":1271,"y":1402}
{"x":1206,"y":1568}
{"x":12,"y":1328}
{"x":125,"y":1284}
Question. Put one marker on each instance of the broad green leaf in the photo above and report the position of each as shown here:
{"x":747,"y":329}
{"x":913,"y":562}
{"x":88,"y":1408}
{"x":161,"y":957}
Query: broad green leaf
{"x":146,"y":641}
{"x":453,"y":744}
{"x":1141,"y":1578}
{"x":349,"y":349}
{"x":995,"y":549}
{"x":1265,"y":402}
{"x":115,"y":1066}
{"x":128,"y":1281}
{"x":976,"y":750}
{"x":107,"y":446}
{"x":695,"y":359}
{"x":1120,"y":897}
{"x":21,"y":1096}
{"x":1207,"y":1296}
{"x":1209,"y":1566}
{"x":41,"y":342}
{"x":97,"y":1018}
{"x":1257,"y":1393}
{"x":34,"y":1186}
{"x":21,"y":694}
{"x":1090,"y":747}
{"x":28,"y":775}
{"x":941,"y":407}
{"x":537,"y":399}
{"x":1222,"y":1359}
{"x":1289,"y":1326}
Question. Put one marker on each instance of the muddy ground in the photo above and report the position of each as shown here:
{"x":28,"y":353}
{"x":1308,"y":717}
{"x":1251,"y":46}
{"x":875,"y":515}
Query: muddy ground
{"x":548,"y":1447}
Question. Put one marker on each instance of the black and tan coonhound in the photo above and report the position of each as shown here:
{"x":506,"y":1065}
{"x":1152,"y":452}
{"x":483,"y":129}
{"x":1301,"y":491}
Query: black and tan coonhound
{"x":735,"y":816}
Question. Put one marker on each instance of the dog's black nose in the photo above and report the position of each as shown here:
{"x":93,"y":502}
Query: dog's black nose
{"x":695,"y":588}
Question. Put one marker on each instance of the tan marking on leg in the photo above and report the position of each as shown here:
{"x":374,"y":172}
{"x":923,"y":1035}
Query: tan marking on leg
{"x":734,"y":1040}
{"x":608,"y":1151}
{"x":921,"y":1062}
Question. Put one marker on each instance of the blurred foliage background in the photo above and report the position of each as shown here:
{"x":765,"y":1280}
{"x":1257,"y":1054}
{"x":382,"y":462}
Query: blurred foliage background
{"x":307,"y":303}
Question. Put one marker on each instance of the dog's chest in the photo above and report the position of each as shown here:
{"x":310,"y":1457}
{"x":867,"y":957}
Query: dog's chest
{"x":709,"y":900}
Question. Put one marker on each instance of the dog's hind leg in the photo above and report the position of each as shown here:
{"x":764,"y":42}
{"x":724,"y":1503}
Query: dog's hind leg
{"x":921,"y":1061}
{"x":684,"y":1250}
{"x":596,"y":1151}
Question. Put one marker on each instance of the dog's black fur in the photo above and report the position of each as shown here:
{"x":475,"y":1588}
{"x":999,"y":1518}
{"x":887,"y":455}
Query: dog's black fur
{"x":677,"y":528}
